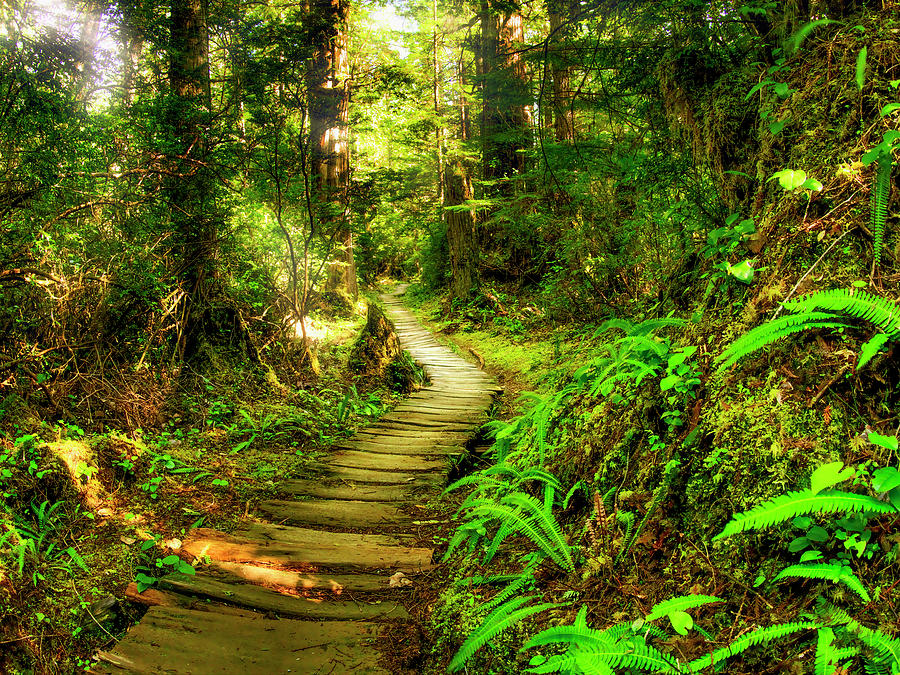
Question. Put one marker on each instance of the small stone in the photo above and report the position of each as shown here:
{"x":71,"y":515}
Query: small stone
{"x":173,"y":544}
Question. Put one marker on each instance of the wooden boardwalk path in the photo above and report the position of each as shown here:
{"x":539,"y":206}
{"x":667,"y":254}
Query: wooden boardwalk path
{"x":309,"y":590}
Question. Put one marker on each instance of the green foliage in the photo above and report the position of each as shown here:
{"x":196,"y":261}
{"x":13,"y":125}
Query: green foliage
{"x":823,"y":309}
{"x":829,"y":572}
{"x":861,"y":68}
{"x":513,"y":513}
{"x":760,"y":636}
{"x":504,"y":616}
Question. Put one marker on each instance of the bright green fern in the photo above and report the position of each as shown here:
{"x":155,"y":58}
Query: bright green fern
{"x":504,"y":616}
{"x":824,"y":309}
{"x":760,"y":636}
{"x":826,"y":571}
{"x":881,"y":192}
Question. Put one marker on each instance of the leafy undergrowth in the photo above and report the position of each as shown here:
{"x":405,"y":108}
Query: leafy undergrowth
{"x":652,"y":452}
{"x":86,"y":512}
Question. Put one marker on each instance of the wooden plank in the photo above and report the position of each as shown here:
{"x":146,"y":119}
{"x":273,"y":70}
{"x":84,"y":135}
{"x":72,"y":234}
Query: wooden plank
{"x":384,"y":462}
{"x":383,"y":477}
{"x":306,"y":547}
{"x":335,"y":513}
{"x":304,"y":581}
{"x":393,"y":446}
{"x":239,"y":592}
{"x":171,"y":640}
{"x":361,"y":492}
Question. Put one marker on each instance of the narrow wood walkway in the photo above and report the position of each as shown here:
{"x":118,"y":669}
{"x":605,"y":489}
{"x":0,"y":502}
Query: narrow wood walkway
{"x":309,"y":590}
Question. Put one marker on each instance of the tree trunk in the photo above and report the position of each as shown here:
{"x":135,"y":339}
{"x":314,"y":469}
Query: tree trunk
{"x":189,"y":188}
{"x":461,"y":240}
{"x":561,"y":13}
{"x":329,"y":98}
{"x":506,"y":97}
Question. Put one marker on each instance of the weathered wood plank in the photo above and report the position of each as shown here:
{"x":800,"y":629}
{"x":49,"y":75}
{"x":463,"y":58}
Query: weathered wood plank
{"x":238,"y":592}
{"x":172,"y":640}
{"x":298,"y":547}
{"x":361,"y":492}
{"x":335,"y":513}
{"x":303,"y":581}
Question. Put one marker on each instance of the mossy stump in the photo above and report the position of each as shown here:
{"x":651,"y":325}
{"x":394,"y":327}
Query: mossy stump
{"x":377,"y":346}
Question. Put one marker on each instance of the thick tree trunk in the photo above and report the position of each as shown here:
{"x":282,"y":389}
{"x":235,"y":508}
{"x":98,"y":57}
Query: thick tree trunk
{"x":561,"y":12}
{"x":506,"y":97}
{"x":461,"y":240}
{"x":329,"y":98}
{"x":189,"y":188}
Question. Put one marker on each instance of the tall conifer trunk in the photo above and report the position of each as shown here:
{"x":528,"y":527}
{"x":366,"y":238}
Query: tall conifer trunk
{"x":329,"y":99}
{"x":190,"y":185}
{"x":506,"y":96}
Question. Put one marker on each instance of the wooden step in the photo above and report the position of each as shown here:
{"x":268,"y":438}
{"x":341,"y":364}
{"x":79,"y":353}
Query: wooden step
{"x":174,"y":640}
{"x":297,"y":547}
{"x":238,"y":592}
{"x":360,"y":492}
{"x":334,"y":513}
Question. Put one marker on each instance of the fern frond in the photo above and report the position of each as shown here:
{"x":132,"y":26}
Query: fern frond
{"x":558,"y":548}
{"x":576,"y":636}
{"x":882,"y":312}
{"x":825,"y":653}
{"x":500,"y":619}
{"x":594,"y":654}
{"x":881,"y":193}
{"x":522,"y":513}
{"x":769,"y":332}
{"x":522,"y":580}
{"x":827,"y":572}
{"x":871,"y":348}
{"x":752,"y":639}
{"x":801,"y":503}
{"x":886,"y":648}
{"x":626,"y":518}
{"x":679,"y":604}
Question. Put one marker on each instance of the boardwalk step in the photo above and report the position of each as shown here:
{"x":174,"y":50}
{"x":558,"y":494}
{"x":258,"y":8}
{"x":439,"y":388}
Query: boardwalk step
{"x":173,"y":640}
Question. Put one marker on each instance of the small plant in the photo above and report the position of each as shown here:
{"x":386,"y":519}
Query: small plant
{"x":152,"y":568}
{"x":722,"y":243}
{"x":33,"y":543}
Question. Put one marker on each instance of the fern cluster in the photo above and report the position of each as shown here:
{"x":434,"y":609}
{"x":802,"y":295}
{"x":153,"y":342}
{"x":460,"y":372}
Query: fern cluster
{"x":824,"y":309}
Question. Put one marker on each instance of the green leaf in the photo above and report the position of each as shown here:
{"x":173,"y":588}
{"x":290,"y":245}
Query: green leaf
{"x":776,"y":128}
{"x":861,"y":68}
{"x":809,"y":556}
{"x":817,"y":534}
{"x":798,"y":544}
{"x":679,"y":604}
{"x":886,"y":442}
{"x":185,"y":568}
{"x":828,"y":475}
{"x":889,"y":108}
{"x":668,"y":382}
{"x":871,"y":348}
{"x":743,"y":271}
{"x":802,"y":522}
{"x":790,"y":179}
{"x":812,"y":184}
{"x":681,"y":622}
{"x":886,"y":479}
{"x":797,"y":38}
{"x":782,"y":89}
